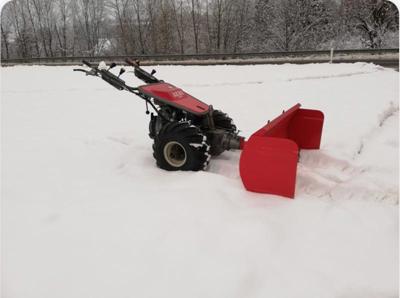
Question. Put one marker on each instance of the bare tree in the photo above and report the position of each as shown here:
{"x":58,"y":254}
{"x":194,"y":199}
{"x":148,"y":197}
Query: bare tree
{"x":242,"y":8}
{"x":43,"y":11}
{"x":262,"y":24}
{"x":137,"y":4}
{"x":20,"y":25}
{"x":220,"y":22}
{"x":374,"y":20}
{"x":194,"y":12}
{"x":165,"y":34}
{"x":47,"y":28}
{"x":91,"y":19}
{"x":151,"y":11}
{"x":228,"y":25}
{"x":33,"y":22}
{"x":295,"y":23}
{"x":218,"y":12}
{"x":5,"y":31}
{"x":208,"y":27}
{"x":120,"y":8}
{"x":62,"y":26}
{"x":178,"y":16}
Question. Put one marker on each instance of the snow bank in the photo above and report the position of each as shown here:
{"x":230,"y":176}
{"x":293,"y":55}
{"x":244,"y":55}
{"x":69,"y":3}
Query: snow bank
{"x":86,"y":213}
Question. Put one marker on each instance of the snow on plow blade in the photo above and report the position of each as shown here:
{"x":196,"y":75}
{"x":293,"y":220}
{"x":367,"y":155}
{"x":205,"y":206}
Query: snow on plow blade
{"x":268,"y":163}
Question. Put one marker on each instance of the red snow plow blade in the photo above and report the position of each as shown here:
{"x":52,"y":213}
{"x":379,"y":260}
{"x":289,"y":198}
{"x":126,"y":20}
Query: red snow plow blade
{"x":268,"y":163}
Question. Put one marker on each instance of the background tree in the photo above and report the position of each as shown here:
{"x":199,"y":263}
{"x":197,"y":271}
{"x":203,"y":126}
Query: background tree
{"x":49,"y":28}
{"x":374,"y":20}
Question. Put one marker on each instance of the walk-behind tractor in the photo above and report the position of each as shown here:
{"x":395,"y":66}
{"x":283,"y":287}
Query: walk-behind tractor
{"x":187,"y":133}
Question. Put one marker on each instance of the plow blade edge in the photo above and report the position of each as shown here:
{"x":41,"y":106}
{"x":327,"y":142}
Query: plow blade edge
{"x":268,"y":163}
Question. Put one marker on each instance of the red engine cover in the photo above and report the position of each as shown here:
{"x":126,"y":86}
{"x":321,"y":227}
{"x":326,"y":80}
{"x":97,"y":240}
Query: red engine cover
{"x":176,"y":97}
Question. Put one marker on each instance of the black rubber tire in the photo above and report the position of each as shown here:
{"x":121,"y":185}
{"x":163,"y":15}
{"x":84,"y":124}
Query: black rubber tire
{"x":192,"y":143}
{"x":223,"y":121}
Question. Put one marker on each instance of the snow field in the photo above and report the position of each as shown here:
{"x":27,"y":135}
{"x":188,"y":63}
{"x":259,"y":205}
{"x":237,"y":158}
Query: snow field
{"x":86,"y":212}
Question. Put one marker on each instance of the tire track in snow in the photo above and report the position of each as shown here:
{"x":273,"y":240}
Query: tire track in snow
{"x":391,"y":111}
{"x":325,"y":176}
{"x":224,"y":84}
{"x":343,"y":75}
{"x":320,"y":172}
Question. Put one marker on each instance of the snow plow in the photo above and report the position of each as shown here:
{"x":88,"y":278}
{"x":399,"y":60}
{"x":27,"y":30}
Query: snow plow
{"x":268,"y":163}
{"x":188,"y":132}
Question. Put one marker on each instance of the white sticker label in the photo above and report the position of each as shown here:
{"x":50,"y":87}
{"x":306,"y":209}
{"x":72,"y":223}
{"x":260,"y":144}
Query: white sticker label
{"x":178,"y":94}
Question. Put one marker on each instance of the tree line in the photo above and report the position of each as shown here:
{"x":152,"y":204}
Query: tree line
{"x":61,"y":28}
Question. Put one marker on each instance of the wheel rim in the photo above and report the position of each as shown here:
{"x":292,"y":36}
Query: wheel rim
{"x":175,"y":154}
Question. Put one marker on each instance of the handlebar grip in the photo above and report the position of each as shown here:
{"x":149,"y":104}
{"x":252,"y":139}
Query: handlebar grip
{"x":131,"y":63}
{"x":87,"y":63}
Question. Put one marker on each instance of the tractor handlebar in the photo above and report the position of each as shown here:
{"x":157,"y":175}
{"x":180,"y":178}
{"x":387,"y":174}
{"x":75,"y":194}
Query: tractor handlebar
{"x":132,"y":63}
{"x":120,"y":84}
{"x":141,"y":74}
{"x":112,"y":79}
{"x":107,"y":76}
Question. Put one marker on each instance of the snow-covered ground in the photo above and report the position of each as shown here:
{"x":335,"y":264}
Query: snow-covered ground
{"x":86,"y":212}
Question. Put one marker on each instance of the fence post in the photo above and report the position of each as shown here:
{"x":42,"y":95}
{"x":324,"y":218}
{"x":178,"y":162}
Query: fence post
{"x":331,"y":59}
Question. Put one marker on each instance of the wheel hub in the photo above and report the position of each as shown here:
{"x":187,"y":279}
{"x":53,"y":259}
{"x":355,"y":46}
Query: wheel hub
{"x":175,"y":154}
